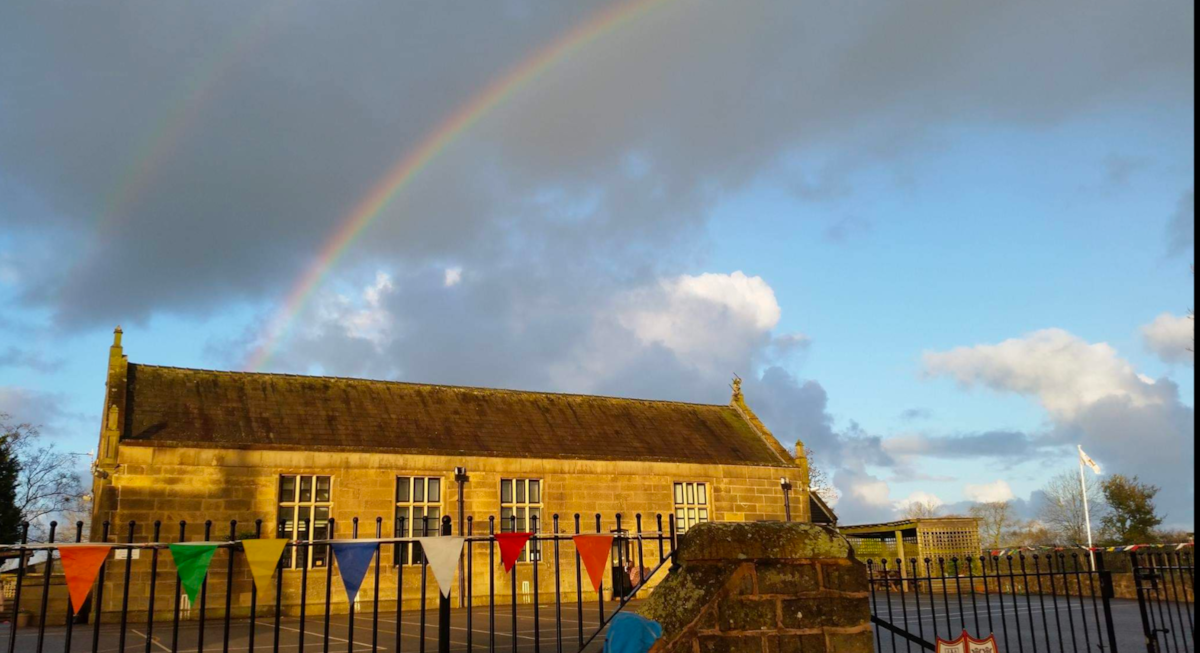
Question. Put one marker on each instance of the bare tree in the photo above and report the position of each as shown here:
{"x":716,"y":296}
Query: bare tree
{"x":1063,"y":512}
{"x":1030,"y":533}
{"x":996,"y":519}
{"x":819,"y":482}
{"x":921,"y":510}
{"x":48,"y":485}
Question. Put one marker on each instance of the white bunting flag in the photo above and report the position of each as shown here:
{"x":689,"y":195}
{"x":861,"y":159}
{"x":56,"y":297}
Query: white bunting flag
{"x":1087,"y":460}
{"x":442,"y":554}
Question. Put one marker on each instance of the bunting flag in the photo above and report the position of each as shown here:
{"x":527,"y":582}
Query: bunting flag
{"x":353,"y":558}
{"x":511,"y":545}
{"x":191,"y":561}
{"x":1123,"y":548}
{"x":442,"y":553}
{"x":594,"y":550}
{"x":263,"y":558}
{"x":80,"y":565}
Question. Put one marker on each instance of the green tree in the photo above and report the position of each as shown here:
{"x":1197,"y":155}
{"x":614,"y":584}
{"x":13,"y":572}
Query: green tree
{"x":10,"y":512}
{"x":1132,"y":517}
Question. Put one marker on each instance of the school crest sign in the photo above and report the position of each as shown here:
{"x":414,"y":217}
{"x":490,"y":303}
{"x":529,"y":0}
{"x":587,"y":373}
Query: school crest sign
{"x":967,"y":644}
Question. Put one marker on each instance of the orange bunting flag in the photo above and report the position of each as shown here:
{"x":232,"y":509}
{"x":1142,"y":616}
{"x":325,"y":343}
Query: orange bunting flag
{"x":80,"y":565}
{"x":594,"y":550}
{"x":511,"y":545}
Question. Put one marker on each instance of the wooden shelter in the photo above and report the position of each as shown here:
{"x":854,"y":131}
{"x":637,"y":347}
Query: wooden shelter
{"x":919,"y":539}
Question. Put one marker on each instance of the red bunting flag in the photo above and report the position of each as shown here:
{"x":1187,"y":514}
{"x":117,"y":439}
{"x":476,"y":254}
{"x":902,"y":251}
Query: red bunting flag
{"x":594,"y":550}
{"x":511,"y":545}
{"x":80,"y":566}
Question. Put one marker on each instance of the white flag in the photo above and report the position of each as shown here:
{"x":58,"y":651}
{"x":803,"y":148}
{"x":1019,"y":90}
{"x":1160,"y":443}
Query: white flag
{"x":1087,"y":460}
{"x":442,"y":554}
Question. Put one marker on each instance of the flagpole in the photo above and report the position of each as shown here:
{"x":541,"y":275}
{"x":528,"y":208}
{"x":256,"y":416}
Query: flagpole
{"x":1087,"y":516}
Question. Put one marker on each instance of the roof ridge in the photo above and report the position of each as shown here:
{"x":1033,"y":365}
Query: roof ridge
{"x":435,"y":385}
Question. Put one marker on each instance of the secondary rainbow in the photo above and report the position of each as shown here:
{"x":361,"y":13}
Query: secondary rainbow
{"x":400,"y":175}
{"x":181,"y":115}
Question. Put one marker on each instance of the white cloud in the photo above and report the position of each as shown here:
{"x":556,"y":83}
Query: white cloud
{"x":364,"y":317}
{"x":1066,"y":373}
{"x":44,"y":410}
{"x":919,"y":497}
{"x":695,"y":314}
{"x":453,"y":277}
{"x":1172,"y":338}
{"x":873,"y":493}
{"x":711,"y":324}
{"x":1092,"y":397}
{"x":997,"y":490}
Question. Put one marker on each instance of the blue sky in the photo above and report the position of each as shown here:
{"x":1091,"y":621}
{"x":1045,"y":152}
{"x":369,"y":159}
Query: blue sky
{"x":901,"y":191}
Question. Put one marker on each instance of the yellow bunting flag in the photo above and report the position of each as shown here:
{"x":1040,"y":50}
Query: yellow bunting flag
{"x":263,"y":558}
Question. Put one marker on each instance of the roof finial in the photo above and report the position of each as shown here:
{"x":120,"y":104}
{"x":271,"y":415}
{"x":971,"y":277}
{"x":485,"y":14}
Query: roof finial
{"x":117,"y":336}
{"x":737,"y":387}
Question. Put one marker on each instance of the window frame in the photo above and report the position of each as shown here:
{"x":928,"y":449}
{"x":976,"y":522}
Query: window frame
{"x":405,"y":553}
{"x":316,"y":556}
{"x":520,"y":502}
{"x":690,"y":504}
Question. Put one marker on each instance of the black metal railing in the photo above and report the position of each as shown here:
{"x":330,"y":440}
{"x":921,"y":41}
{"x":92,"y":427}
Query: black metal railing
{"x":1165,"y":582}
{"x":1049,"y":603}
{"x":545,"y":608}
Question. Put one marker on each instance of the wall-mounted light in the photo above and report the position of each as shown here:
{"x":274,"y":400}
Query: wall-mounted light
{"x":786,"y":486}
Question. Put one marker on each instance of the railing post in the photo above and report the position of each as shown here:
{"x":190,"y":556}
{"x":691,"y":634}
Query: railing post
{"x":45,"y":589}
{"x":1147,"y":629}
{"x":12,"y":630}
{"x":444,"y":602}
{"x":1106,"y":595}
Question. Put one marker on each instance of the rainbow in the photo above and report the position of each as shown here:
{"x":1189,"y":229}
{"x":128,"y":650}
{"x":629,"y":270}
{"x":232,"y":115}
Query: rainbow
{"x":351,"y":227}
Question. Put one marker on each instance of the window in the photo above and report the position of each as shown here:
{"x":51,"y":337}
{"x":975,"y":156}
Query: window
{"x":691,"y":505}
{"x":305,"y":499}
{"x":521,"y":511}
{"x":418,"y":514}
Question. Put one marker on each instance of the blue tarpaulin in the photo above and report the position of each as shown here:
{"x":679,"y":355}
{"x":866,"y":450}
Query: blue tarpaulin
{"x":631,"y":633}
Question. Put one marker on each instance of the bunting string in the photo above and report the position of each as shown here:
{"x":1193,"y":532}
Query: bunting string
{"x":1124,"y":548}
{"x":562,"y":537}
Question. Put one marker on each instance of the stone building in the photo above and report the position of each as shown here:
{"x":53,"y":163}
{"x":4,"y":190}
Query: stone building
{"x":195,"y":445}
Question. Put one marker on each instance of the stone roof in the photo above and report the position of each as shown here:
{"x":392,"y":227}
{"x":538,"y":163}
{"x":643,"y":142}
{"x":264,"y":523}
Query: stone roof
{"x":168,"y":406}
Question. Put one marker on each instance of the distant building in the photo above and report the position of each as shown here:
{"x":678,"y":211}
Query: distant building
{"x":195,"y":445}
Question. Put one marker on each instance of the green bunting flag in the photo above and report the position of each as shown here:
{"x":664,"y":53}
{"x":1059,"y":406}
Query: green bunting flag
{"x":192,"y":560}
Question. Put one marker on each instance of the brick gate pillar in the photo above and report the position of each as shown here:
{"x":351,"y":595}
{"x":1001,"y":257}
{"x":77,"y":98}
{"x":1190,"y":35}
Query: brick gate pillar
{"x":763,"y":588}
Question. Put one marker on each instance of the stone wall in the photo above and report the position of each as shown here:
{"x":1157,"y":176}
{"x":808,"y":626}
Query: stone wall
{"x":192,"y":484}
{"x":763,"y":588}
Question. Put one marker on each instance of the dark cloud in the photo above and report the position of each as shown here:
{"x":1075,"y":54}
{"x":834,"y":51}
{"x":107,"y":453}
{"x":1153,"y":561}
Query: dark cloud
{"x":45,"y":411}
{"x":844,"y":229}
{"x":266,"y":123}
{"x":1155,"y":442}
{"x":33,"y":360}
{"x":1013,"y":445}
{"x":1119,"y":170}
{"x":180,"y":159}
{"x":916,"y":414}
{"x":1181,"y":230}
